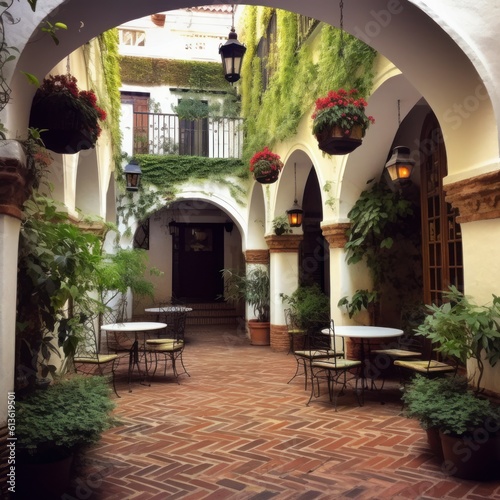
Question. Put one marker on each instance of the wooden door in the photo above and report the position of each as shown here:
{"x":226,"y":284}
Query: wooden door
{"x":441,"y":234}
{"x":198,"y":259}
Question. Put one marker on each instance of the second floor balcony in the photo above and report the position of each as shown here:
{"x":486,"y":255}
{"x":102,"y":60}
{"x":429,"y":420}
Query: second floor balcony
{"x":163,"y":134}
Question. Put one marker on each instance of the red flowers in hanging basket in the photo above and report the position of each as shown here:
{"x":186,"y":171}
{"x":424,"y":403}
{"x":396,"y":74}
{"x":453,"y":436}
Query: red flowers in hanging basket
{"x":266,"y":166}
{"x":340,"y":121}
{"x":70,"y":116}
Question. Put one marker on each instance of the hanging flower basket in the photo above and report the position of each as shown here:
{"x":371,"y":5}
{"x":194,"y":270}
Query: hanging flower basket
{"x":265,"y":166}
{"x":67,"y":117}
{"x":340,"y":122}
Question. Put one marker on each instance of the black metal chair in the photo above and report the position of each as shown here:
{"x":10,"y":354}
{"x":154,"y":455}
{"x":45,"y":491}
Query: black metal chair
{"x":170,"y":342}
{"x":89,"y":360}
{"x":306,"y":346}
{"x":336,"y":371}
{"x":381,"y":361}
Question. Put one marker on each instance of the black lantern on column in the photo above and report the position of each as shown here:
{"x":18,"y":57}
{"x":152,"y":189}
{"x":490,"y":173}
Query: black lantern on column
{"x":132,"y":176}
{"x":232,"y":53}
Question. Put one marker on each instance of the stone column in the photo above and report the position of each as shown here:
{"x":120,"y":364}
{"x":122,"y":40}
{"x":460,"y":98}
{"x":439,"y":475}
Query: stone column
{"x":14,"y":189}
{"x":284,"y":253}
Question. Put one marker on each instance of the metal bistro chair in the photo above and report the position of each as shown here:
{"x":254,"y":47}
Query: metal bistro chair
{"x":335,"y":370}
{"x":89,"y":360}
{"x":306,"y":347}
{"x":407,"y":348}
{"x":170,"y":343}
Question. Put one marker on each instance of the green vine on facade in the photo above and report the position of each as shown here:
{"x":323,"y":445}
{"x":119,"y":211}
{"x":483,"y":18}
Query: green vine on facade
{"x":175,"y":73}
{"x":273,"y":115}
{"x":165,"y":173}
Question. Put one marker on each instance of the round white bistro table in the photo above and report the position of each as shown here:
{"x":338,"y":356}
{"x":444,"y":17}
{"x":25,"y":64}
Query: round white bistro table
{"x":136,"y":328}
{"x":364,"y":334}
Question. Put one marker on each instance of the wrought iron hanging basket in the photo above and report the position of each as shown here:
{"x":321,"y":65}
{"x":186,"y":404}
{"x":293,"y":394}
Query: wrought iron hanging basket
{"x":335,"y":141}
{"x":66,"y":129}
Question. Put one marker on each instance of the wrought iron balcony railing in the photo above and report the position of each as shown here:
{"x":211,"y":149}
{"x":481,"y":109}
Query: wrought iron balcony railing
{"x":160,"y":133}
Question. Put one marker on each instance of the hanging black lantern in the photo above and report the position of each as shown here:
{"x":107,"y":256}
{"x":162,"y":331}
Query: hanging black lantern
{"x":132,"y":176}
{"x":295,"y":213}
{"x":232,"y":53}
{"x":400,"y":165}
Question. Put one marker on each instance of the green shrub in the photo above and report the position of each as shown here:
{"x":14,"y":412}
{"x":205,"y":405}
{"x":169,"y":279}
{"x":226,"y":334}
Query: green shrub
{"x":67,"y":415}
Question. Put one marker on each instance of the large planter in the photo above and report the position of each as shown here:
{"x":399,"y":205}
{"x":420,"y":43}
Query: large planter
{"x":473,"y":456}
{"x":434,"y":441}
{"x":259,"y":332}
{"x":335,"y":142}
{"x":65,"y":128}
{"x":44,"y":480}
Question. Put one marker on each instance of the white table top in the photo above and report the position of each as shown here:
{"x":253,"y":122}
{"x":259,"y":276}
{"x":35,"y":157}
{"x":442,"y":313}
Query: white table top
{"x":168,"y":309}
{"x":133,"y":326}
{"x":364,"y":332}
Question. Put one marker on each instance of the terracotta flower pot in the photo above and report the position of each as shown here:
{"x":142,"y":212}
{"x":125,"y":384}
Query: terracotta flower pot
{"x":259,"y":332}
{"x":335,"y":142}
{"x":472,"y":456}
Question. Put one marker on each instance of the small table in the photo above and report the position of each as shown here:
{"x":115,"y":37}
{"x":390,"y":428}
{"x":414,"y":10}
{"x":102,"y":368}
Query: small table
{"x":135,"y":327}
{"x":364,"y":333}
{"x":167,"y":309}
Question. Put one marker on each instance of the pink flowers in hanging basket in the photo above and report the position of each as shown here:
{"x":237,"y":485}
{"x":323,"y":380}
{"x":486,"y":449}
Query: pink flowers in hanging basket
{"x":266,"y":166}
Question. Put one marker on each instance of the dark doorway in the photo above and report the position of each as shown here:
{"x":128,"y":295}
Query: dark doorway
{"x":198,"y":258}
{"x":314,"y":250}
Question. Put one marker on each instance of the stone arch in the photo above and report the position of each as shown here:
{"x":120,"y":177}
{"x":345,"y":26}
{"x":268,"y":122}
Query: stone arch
{"x":439,"y":61}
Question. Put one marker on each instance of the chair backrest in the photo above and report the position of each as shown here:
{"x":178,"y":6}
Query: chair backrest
{"x":296,"y":335}
{"x":88,"y":346}
{"x":337,"y":344}
{"x":175,"y":318}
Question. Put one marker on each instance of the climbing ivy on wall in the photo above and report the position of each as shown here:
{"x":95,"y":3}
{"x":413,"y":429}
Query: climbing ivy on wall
{"x":165,"y":172}
{"x":108,"y":43}
{"x":175,"y":73}
{"x":298,"y":79}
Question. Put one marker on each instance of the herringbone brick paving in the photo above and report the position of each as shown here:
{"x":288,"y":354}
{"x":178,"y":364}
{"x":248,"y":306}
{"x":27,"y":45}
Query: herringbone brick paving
{"x":235,"y":429}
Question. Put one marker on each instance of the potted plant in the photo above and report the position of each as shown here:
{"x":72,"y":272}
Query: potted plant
{"x":281,"y":225}
{"x":68,"y":117}
{"x":309,"y":306}
{"x":266,"y":166}
{"x":54,"y":423}
{"x":254,"y":288}
{"x":461,"y":427}
{"x":340,"y":121}
{"x":463,"y":330}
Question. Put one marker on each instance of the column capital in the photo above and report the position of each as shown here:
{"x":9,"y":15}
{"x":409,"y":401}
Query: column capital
{"x":15,"y":178}
{"x":476,"y":198}
{"x":257,"y":256}
{"x":336,"y":234}
{"x":284,"y":243}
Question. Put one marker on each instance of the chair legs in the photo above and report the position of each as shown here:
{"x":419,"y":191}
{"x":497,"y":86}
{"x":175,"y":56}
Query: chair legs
{"x":335,"y":378}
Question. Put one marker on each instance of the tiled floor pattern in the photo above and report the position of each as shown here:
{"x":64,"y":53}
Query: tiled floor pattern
{"x":235,"y":429}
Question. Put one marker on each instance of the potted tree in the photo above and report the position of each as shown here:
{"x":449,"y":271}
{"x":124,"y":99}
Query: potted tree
{"x":254,"y":288}
{"x":54,"y":423}
{"x":340,"y":121}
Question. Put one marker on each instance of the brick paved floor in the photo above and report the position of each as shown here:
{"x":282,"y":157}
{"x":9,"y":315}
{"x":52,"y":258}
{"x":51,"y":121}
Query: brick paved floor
{"x":235,"y":429}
